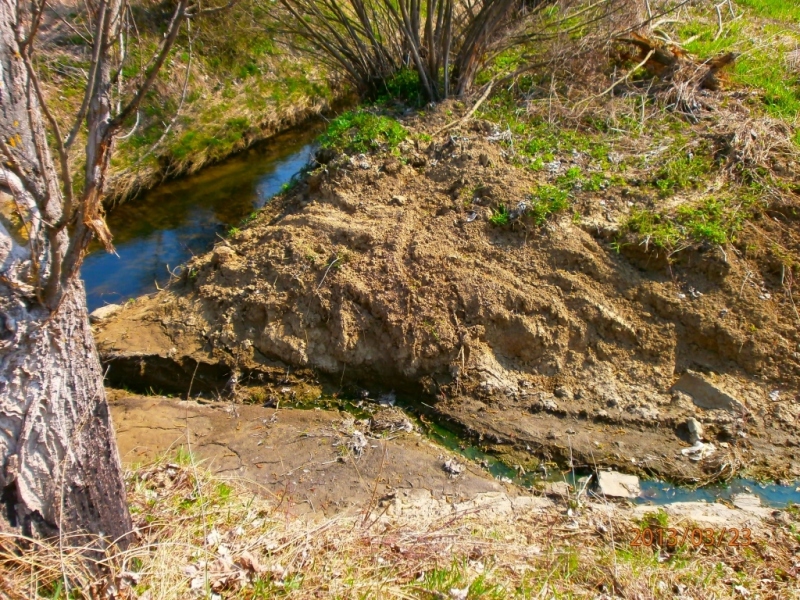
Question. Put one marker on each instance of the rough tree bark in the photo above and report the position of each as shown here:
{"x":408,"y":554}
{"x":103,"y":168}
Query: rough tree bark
{"x":60,"y":471}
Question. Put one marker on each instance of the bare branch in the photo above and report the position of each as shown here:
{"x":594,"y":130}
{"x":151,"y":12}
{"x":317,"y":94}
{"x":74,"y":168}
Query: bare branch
{"x":172,"y":33}
{"x":90,"y":85}
{"x":63,"y":154}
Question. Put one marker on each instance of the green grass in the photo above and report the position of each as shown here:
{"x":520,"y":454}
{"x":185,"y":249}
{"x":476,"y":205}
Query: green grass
{"x":711,"y":220}
{"x":683,"y":170}
{"x":547,"y":200}
{"x":500,"y":216}
{"x":762,"y":46}
{"x":783,"y":10}
{"x":438,"y":583}
{"x":405,"y":87}
{"x":361,"y":131}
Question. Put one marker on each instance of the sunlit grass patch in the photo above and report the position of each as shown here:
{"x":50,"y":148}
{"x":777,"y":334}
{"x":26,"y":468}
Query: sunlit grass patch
{"x":362,"y":131}
{"x":714,"y":220}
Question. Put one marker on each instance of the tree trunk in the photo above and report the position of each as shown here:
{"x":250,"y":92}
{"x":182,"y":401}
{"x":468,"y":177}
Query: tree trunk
{"x":61,"y":469}
{"x":60,"y":472}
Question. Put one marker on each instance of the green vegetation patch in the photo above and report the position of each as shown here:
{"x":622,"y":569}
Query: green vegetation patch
{"x":684,"y":170}
{"x":762,"y":46}
{"x":359,"y":131}
{"x":547,"y":200}
{"x":712,"y":220}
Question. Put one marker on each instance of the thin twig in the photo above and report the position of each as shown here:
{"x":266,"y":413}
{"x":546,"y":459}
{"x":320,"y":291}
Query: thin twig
{"x":335,"y":260}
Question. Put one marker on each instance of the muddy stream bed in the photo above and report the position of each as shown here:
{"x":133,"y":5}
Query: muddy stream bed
{"x":159,"y":231}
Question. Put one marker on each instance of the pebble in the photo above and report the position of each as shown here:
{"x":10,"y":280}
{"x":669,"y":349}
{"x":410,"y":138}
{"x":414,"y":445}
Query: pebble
{"x":563,"y":392}
{"x":453,"y":467}
{"x":695,"y":430}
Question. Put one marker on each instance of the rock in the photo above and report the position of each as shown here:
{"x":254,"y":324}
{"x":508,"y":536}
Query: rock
{"x":747,"y":502}
{"x":705,"y":394}
{"x":453,"y":468}
{"x":356,"y":443}
{"x":563,"y":392}
{"x":104,"y":312}
{"x":558,"y":489}
{"x":708,"y":514}
{"x":325,"y":155}
{"x":695,"y":430}
{"x":483,"y":159}
{"x":544,"y":404}
{"x":617,"y":485}
{"x":398,"y":200}
{"x":648,"y":413}
{"x":387,"y":399}
{"x":417,"y":161}
{"x":392,"y":166}
{"x":222,"y":254}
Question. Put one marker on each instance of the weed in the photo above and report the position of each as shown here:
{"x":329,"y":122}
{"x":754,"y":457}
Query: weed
{"x":443,"y":582}
{"x":684,"y":171}
{"x":250,"y":218}
{"x":499,"y":216}
{"x":403,"y":86}
{"x":547,"y":200}
{"x":430,"y":326}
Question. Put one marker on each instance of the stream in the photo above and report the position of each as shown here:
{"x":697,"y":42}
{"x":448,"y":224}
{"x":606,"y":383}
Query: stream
{"x":164,"y":227}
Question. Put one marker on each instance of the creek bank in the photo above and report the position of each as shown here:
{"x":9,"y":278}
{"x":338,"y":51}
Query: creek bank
{"x":313,"y":462}
{"x":126,"y":184}
{"x":317,"y":460}
{"x":540,"y":343}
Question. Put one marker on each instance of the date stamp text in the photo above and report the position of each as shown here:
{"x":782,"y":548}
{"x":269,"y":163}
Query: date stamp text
{"x":696,"y":537}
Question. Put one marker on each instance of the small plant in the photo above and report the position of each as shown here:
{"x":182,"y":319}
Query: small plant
{"x":430,"y":326}
{"x":250,"y":218}
{"x":500,"y":216}
{"x":289,"y":185}
{"x":547,"y":200}
{"x":233,"y":231}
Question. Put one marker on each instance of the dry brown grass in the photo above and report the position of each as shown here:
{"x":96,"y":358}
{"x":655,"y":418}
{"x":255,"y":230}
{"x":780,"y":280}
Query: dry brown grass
{"x":199,"y":536}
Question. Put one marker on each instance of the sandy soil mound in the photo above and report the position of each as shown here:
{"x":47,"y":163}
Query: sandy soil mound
{"x":542,"y":342}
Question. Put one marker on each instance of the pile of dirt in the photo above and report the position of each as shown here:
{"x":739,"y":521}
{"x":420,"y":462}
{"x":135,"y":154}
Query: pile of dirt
{"x":384,"y":271}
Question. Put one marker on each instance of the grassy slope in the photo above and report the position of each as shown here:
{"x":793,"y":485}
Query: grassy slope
{"x":242,"y":86}
{"x":682,"y":188}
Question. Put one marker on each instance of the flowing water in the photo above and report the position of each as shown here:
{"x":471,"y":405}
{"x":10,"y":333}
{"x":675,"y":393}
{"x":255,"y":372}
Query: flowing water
{"x":166,"y":226}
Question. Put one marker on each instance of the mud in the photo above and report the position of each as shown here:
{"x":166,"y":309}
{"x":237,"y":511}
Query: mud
{"x":543,"y":343}
{"x":303,"y":458}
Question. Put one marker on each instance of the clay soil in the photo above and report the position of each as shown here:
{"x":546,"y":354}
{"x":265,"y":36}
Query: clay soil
{"x":540,"y":343}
